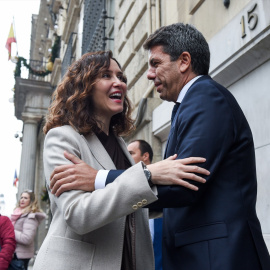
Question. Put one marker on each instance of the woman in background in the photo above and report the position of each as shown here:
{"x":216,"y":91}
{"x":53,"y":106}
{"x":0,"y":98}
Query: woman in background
{"x":26,"y":218}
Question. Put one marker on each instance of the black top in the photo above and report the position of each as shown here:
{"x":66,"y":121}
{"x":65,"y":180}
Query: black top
{"x":114,"y":150}
{"x":121,"y":162}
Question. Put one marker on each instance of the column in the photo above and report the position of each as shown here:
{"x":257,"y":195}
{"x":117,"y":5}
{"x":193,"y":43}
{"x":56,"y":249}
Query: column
{"x":28,"y":155}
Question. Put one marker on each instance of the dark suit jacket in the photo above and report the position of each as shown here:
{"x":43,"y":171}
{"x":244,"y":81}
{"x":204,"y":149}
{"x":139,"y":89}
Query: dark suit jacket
{"x":215,"y":228}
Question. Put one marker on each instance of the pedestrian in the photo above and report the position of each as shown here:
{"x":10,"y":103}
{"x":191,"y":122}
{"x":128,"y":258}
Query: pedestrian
{"x":7,"y":242}
{"x":107,"y":229}
{"x":26,"y":218}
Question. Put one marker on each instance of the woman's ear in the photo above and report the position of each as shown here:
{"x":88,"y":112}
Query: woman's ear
{"x":184,"y":62}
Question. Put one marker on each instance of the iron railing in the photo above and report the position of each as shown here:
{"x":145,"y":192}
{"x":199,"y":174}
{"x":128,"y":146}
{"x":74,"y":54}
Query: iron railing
{"x":94,"y":26}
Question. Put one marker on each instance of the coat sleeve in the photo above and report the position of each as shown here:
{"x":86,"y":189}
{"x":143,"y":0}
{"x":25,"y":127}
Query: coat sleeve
{"x":8,"y":242}
{"x":205,"y":127}
{"x":28,"y":233}
{"x":87,"y":211}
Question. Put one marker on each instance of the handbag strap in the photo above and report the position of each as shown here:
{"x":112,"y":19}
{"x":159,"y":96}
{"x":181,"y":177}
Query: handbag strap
{"x":15,"y":256}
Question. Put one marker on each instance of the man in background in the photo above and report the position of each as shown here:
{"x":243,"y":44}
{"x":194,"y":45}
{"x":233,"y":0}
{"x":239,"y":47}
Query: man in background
{"x":141,"y":150}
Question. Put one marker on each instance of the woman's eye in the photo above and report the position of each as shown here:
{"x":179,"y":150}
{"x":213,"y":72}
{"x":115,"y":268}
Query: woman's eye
{"x":122,"y":78}
{"x":106,"y":75}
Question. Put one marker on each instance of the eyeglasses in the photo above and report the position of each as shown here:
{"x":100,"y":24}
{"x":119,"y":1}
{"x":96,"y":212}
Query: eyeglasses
{"x":28,"y":190}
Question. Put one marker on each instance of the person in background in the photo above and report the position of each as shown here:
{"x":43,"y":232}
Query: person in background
{"x":141,"y":150}
{"x":7,"y":242}
{"x":108,"y":228}
{"x":26,"y":218}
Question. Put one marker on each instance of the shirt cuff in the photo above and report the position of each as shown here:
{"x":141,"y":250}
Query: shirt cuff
{"x":100,"y":180}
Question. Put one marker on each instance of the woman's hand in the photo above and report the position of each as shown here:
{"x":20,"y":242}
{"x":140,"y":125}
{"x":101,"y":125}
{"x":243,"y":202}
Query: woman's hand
{"x":172,"y":171}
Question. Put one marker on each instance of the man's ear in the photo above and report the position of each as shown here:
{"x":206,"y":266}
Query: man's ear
{"x":145,"y":156}
{"x":184,"y":62}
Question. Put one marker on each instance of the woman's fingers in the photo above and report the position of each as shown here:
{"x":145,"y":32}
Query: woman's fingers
{"x":192,"y":160}
{"x":195,"y":169}
{"x":193,"y":177}
{"x":172,"y":157}
{"x":187,"y":185}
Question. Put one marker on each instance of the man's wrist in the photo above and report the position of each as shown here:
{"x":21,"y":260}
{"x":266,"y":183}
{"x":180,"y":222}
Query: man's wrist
{"x":100,"y":181}
{"x":148,"y":175}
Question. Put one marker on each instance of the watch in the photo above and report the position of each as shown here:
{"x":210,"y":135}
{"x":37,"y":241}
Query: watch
{"x":148,"y":175}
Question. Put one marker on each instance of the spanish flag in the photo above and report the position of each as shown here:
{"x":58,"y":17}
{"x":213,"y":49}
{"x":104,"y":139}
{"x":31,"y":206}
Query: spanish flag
{"x":11,"y":38}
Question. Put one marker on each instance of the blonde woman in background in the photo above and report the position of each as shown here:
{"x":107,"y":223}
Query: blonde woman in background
{"x":26,"y":218}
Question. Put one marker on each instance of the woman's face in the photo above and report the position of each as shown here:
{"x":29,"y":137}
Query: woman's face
{"x":108,"y":93}
{"x":24,"y":200}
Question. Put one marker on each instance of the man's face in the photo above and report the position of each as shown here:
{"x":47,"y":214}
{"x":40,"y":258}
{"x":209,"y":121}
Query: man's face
{"x":135,"y":152}
{"x":165,"y":74}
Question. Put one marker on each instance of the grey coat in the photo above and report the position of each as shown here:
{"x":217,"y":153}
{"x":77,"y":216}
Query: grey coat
{"x":87,"y":229}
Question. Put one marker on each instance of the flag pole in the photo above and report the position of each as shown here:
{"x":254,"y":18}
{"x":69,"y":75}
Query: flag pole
{"x":14,"y":29}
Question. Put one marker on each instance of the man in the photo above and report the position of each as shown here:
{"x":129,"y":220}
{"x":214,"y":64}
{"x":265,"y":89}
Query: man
{"x":216,"y":227}
{"x":141,"y":150}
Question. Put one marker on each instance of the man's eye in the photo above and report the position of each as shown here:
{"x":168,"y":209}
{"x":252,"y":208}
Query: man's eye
{"x":120,"y":77}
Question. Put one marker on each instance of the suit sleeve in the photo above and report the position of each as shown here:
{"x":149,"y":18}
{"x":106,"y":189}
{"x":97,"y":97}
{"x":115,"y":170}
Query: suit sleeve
{"x":205,"y":128}
{"x":87,"y":211}
{"x":112,"y":175}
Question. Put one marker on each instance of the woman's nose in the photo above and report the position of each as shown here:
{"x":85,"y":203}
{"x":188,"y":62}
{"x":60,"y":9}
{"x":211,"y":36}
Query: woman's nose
{"x":117,"y":81}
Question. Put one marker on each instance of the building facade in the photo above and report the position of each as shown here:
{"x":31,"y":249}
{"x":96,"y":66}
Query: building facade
{"x":238,"y":33}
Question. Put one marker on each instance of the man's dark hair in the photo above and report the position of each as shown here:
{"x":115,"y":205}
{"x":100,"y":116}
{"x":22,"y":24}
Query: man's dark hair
{"x":178,"y":38}
{"x":145,"y":148}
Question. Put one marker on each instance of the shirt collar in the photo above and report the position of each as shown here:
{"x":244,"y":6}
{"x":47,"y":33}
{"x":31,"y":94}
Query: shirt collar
{"x":185,"y":89}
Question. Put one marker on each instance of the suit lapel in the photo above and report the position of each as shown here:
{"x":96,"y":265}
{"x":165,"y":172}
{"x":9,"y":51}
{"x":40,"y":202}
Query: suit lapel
{"x":99,"y":152}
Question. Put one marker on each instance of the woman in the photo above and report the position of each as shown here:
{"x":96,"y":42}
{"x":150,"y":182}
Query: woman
{"x":107,"y":228}
{"x":26,"y":218}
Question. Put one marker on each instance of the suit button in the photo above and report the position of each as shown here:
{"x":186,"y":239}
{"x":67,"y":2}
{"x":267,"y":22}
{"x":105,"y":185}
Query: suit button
{"x":139,"y":204}
{"x":135,"y":207}
{"x":144,"y":201}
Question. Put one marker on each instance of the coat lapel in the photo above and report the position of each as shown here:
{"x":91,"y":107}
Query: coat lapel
{"x":99,"y":152}
{"x":101,"y":155}
{"x":124,"y":148}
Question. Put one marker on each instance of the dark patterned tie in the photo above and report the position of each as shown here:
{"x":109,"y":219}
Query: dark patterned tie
{"x":175,"y":108}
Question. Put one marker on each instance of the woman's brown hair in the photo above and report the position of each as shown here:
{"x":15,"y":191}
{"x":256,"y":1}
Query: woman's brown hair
{"x":72,"y":100}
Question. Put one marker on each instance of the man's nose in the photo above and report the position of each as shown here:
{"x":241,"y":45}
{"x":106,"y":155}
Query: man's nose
{"x":151,"y":74}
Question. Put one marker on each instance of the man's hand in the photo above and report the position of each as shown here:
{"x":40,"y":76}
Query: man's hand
{"x":172,"y":172}
{"x":79,"y":176}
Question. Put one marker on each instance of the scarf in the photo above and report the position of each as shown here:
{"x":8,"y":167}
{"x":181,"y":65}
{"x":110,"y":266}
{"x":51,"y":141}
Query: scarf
{"x":16,"y":215}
